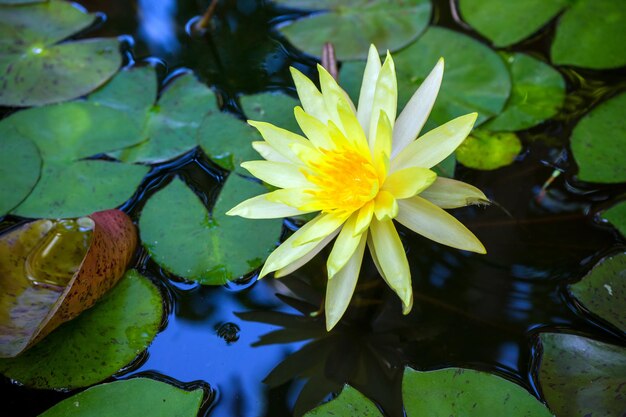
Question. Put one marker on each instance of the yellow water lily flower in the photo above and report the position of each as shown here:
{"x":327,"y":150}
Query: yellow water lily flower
{"x":361,"y":169}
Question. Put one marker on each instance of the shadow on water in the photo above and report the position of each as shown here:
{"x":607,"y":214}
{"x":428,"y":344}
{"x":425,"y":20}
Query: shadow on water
{"x":262,"y":347}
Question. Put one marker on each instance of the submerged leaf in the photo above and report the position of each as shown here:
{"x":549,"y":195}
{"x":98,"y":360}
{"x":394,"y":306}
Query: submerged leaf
{"x":489,"y":150}
{"x":51,"y":271}
{"x":352,"y":25}
{"x":603,"y":290}
{"x":35,"y":69}
{"x":582,"y":377}
{"x":181,"y":236}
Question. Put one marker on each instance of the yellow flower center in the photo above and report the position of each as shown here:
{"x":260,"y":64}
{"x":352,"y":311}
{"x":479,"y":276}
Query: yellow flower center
{"x":346,"y":180}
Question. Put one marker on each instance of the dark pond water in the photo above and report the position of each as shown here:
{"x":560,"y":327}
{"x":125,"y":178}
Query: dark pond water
{"x":255,"y":346}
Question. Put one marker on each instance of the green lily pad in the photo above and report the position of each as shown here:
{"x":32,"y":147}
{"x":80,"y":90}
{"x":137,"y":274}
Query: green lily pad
{"x":353,"y":25}
{"x":273,"y":108}
{"x":537,"y":94}
{"x":446,"y":167}
{"x":96,"y":344}
{"x":468,"y":393}
{"x":591,"y":34}
{"x":65,"y":134}
{"x":508,"y":22}
{"x":12,"y":2}
{"x":616,"y":215}
{"x":137,"y":397}
{"x":598,"y":142}
{"x":488,"y":150}
{"x":349,"y":402}
{"x":582,"y":377}
{"x":133,"y":91}
{"x":182,"y":237}
{"x":227,"y":140}
{"x":35,"y":69}
{"x":603,"y":290}
{"x":466,"y":87}
{"x":20,"y":165}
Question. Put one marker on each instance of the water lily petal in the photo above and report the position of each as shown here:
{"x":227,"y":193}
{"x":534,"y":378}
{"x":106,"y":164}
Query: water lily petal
{"x":386,"y":206}
{"x":340,"y":289}
{"x":309,"y":96}
{"x":447,"y":193}
{"x":287,"y":253}
{"x":368,"y":87}
{"x":278,"y":174}
{"x":295,"y":265}
{"x":391,"y":258}
{"x":260,"y":207}
{"x":344,"y":247}
{"x":280,"y":139}
{"x":416,"y":111}
{"x":352,"y":127}
{"x":268,"y":152}
{"x":381,"y":146}
{"x":364,"y":217}
{"x":294,"y":197}
{"x":430,"y":221}
{"x":316,"y":131}
{"x":325,"y":224}
{"x":408,"y":182}
{"x":385,"y":96}
{"x":334,"y":96}
{"x":432,"y":148}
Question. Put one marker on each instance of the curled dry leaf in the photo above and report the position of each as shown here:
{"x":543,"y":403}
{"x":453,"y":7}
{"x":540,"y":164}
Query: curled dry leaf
{"x":40,"y":290}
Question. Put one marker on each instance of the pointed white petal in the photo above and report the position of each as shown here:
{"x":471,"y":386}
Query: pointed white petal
{"x":447,"y":193}
{"x":278,"y":174}
{"x":280,"y":139}
{"x":309,"y":96}
{"x":268,"y":152}
{"x":368,"y":87}
{"x":385,"y":97}
{"x":295,"y":265}
{"x":344,"y":247}
{"x":260,"y":207}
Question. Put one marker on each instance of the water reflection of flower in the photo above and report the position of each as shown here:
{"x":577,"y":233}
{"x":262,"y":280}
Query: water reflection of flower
{"x":361,"y":172}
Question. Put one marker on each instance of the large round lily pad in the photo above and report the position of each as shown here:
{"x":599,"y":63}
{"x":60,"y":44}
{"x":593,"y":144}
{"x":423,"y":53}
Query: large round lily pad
{"x":349,"y":402}
{"x":598,"y":142}
{"x":465,"y":392}
{"x":137,"y":397}
{"x":352,"y":25}
{"x":466,"y":87}
{"x":95,"y":345}
{"x":487,"y":150}
{"x":66,"y":134}
{"x":273,"y":108}
{"x":182,"y":237}
{"x":537,"y":94}
{"x":603,"y":290}
{"x":35,"y":69}
{"x":582,"y":377}
{"x":20,"y":165}
{"x":616,"y":215}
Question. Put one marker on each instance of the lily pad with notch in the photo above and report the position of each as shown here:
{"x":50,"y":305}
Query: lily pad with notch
{"x":353,"y":25}
{"x":180,"y":234}
{"x":36,"y":69}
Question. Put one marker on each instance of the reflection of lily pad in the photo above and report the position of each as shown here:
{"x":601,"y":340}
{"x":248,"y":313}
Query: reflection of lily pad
{"x":537,"y":94}
{"x":55,"y":270}
{"x":66,"y":134}
{"x":616,"y":215}
{"x":590,"y":33}
{"x":349,"y":402}
{"x":466,"y":87}
{"x":590,"y":372}
{"x":352,"y":25}
{"x":598,"y":142}
{"x":95,"y":345}
{"x":137,"y":397}
{"x":603,"y":290}
{"x":181,"y":236}
{"x":20,"y":165}
{"x":465,"y":392}
{"x":35,"y":70}
{"x":488,"y":150}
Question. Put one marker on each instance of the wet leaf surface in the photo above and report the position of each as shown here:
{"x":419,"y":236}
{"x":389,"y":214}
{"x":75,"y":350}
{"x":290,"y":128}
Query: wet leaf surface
{"x":537,"y":94}
{"x":349,"y":402}
{"x":182,"y":237}
{"x":353,"y":25}
{"x":466,"y":87}
{"x":465,"y":392}
{"x":603,"y":290}
{"x":582,"y":377}
{"x":20,"y":165}
{"x":487,"y":151}
{"x":598,"y":142}
{"x":32,"y":305}
{"x":35,"y":69}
